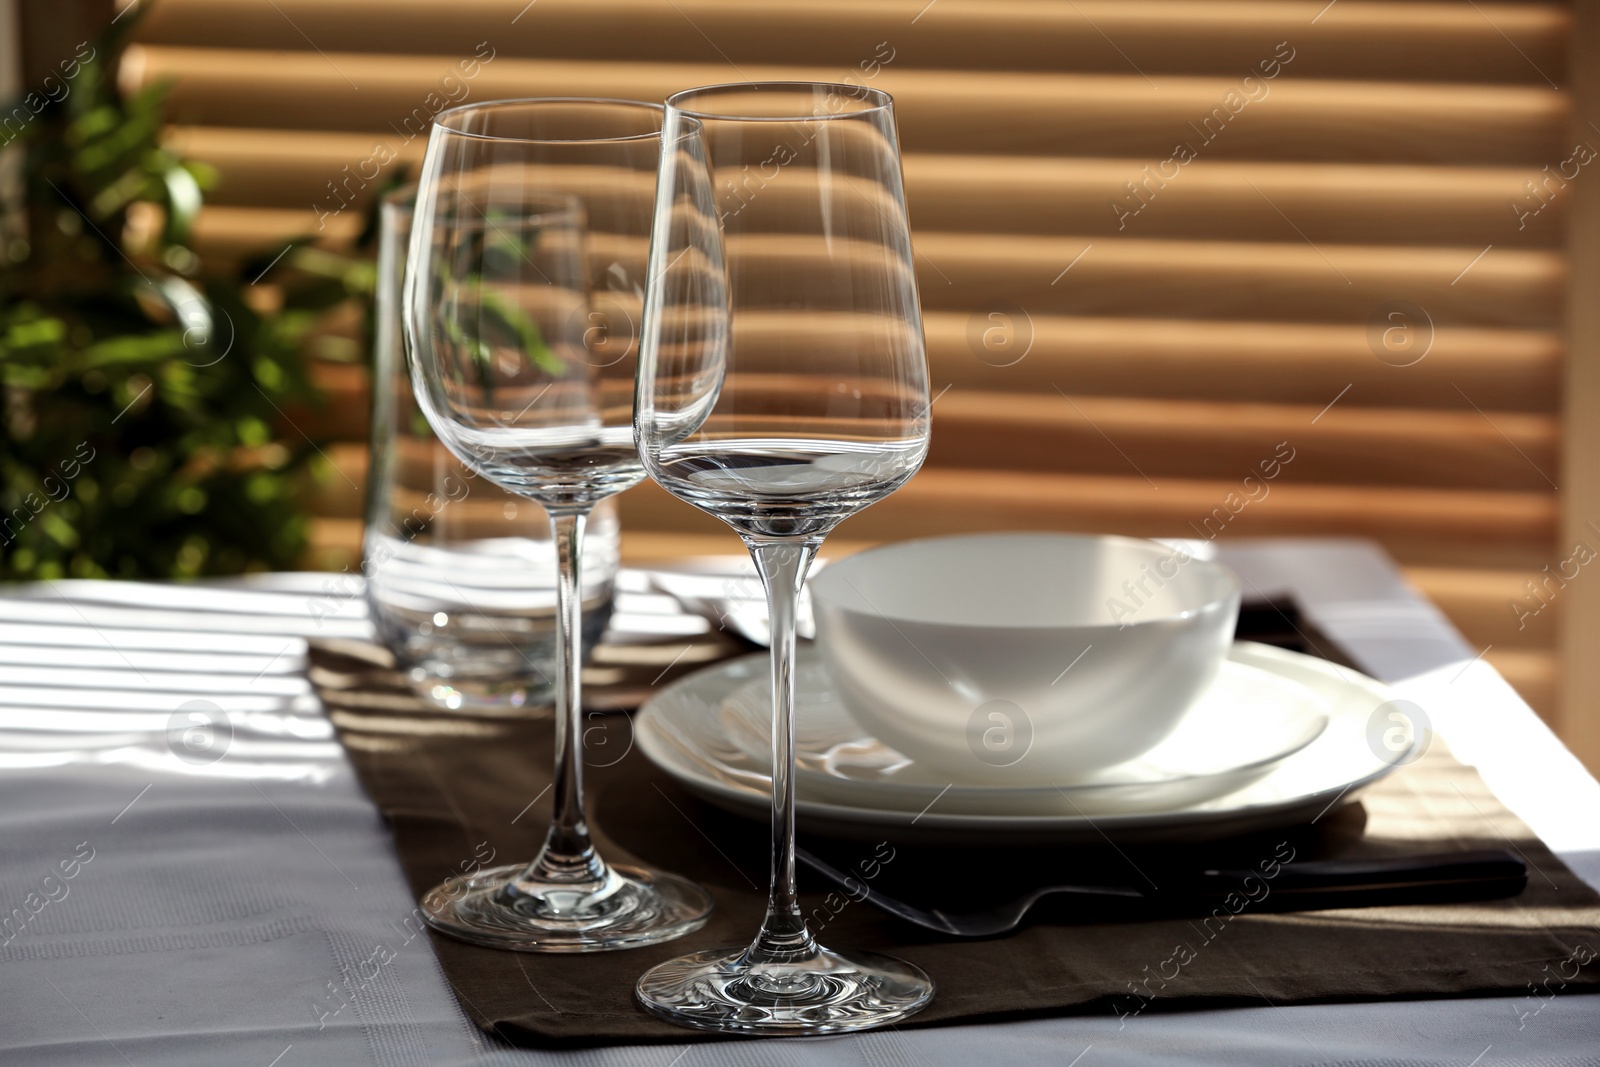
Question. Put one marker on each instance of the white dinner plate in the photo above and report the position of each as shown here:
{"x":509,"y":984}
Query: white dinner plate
{"x":683,"y":730}
{"x":1244,"y":725}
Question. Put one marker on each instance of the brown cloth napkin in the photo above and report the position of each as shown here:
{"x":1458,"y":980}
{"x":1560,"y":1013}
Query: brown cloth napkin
{"x":459,"y":790}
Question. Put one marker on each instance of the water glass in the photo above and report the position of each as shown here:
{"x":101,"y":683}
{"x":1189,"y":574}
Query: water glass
{"x":461,"y":574}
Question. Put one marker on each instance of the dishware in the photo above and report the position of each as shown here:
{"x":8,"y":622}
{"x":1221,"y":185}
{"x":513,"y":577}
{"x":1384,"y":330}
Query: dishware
{"x":1303,"y":885}
{"x":783,"y":403}
{"x":1246,"y":723}
{"x":527,"y":264}
{"x":727,"y":591}
{"x":679,"y":731}
{"x":460,"y":574}
{"x":730,"y":599}
{"x":1023,"y":658}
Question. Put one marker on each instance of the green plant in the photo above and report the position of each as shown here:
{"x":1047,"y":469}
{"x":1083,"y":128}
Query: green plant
{"x":144,"y":432}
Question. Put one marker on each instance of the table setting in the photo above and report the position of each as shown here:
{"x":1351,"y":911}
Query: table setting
{"x":984,"y":794}
{"x":1391,"y":882}
{"x":320,"y":782}
{"x":753,"y":346}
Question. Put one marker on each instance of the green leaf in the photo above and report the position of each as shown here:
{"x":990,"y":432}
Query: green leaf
{"x":183,"y":203}
{"x":137,"y":348}
{"x":35,"y":333}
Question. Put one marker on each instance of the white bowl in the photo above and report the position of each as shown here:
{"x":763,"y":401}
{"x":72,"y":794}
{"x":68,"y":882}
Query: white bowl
{"x":1023,"y":659}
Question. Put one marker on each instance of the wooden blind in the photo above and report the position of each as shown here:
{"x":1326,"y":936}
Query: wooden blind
{"x":1161,"y":245}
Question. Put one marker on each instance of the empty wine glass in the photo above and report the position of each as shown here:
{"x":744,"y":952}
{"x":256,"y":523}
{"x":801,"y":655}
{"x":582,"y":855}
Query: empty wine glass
{"x":783,"y":386}
{"x":525,"y":280}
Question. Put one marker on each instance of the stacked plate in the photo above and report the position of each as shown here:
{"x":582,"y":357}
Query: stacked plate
{"x":1279,"y":738}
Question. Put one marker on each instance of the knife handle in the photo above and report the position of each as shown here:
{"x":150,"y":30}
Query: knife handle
{"x":1310,"y":885}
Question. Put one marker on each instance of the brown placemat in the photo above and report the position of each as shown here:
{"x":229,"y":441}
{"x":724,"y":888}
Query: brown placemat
{"x":457,"y":790}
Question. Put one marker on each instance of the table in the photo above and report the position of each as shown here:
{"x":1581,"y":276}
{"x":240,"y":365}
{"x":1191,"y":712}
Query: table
{"x":214,"y":907}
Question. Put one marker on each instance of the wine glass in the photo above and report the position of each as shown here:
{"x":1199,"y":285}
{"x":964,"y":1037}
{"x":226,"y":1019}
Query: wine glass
{"x":524,"y":285}
{"x":783,"y":386}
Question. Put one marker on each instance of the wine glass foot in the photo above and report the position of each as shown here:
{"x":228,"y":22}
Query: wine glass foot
{"x":644,"y":907}
{"x":827,"y":993}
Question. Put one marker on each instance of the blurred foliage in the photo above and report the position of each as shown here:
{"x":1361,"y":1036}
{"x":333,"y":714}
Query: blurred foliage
{"x":146,"y":430}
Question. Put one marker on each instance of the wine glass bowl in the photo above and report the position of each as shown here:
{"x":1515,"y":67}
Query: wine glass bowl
{"x":821,"y":406}
{"x":783,"y":387}
{"x":528,"y":258}
{"x":501,"y":365}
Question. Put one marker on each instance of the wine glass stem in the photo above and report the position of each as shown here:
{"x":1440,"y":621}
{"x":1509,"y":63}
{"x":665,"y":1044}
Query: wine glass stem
{"x":568,"y":854}
{"x":783,"y":566}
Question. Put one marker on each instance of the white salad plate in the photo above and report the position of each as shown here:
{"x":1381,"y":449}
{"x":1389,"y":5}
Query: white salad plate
{"x":1247,"y":722}
{"x":701,"y":731}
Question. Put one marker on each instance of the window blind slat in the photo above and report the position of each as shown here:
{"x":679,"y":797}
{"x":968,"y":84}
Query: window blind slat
{"x":1438,"y":527}
{"x":1331,"y":202}
{"x":1252,"y":361}
{"x":1475,"y":525}
{"x":939,"y":111}
{"x":1290,"y":282}
{"x":1246,"y":362}
{"x":1234,"y":280}
{"x":1408,"y":41}
{"x":1158,"y":440}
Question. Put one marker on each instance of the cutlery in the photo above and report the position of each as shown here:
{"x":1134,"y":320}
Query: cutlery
{"x":1303,"y":885}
